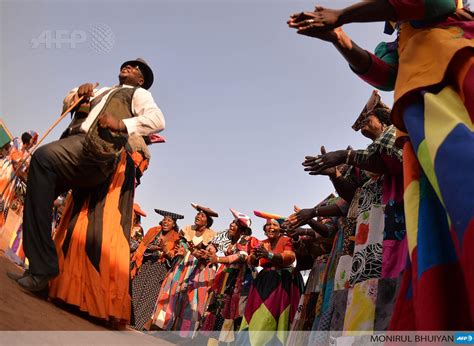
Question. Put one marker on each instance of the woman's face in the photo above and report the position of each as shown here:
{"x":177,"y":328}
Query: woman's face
{"x":233,"y":229}
{"x":200,"y":220}
{"x":167,"y":223}
{"x":272,"y":229}
{"x":372,"y":127}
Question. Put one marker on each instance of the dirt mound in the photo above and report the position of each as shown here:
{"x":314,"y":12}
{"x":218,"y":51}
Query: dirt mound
{"x":21,"y":310}
{"x":28,"y":319}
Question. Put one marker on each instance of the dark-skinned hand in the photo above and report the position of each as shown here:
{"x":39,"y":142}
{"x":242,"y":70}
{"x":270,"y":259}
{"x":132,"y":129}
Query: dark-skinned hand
{"x":320,"y":165}
{"x":86,"y":90}
{"x":260,"y":252}
{"x":330,"y":171}
{"x":107,"y":121}
{"x":305,"y":25}
{"x":322,"y":19}
{"x":301,"y":217}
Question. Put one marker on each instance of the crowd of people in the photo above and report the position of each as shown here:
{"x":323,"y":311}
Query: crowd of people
{"x":385,"y":251}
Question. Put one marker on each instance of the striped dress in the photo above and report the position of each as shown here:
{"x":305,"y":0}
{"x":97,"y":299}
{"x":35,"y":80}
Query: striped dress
{"x":229,"y":293}
{"x":184,"y":292}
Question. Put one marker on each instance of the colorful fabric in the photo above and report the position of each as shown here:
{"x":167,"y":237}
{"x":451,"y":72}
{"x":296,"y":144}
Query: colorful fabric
{"x":433,"y":103}
{"x":284,"y":247}
{"x":92,"y":243}
{"x":184,"y":293}
{"x":273,"y":298}
{"x":137,"y":257}
{"x":367,"y":257}
{"x":228,"y":294}
{"x":269,"y":216}
{"x":242,"y":218}
{"x":424,"y":9}
{"x":307,"y":310}
{"x":439,"y":208}
{"x":355,"y":269}
{"x":148,"y":278}
{"x":271,"y":306}
{"x":416,"y":68}
{"x":360,"y":310}
{"x":384,"y":143}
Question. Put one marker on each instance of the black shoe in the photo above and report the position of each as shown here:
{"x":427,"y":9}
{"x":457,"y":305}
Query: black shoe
{"x":35,"y":283}
{"x":16,"y":277}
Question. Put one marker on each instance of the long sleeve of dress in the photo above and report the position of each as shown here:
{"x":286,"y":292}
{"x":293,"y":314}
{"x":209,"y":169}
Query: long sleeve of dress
{"x":382,"y":72}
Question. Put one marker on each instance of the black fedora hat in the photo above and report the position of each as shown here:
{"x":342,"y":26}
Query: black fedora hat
{"x":144,"y":68}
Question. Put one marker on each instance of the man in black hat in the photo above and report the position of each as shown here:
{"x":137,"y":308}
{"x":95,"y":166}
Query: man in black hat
{"x":84,"y":157}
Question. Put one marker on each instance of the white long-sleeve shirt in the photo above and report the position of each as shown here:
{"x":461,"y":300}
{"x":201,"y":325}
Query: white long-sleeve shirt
{"x":148,"y":117}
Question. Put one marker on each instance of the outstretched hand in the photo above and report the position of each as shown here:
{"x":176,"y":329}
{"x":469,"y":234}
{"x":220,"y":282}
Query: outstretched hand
{"x":324,"y":164}
{"x":322,"y":24}
{"x":301,"y":217}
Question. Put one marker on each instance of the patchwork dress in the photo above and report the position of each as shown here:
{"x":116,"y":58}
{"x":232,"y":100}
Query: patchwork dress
{"x":273,"y":299}
{"x":431,"y":69}
{"x":184,"y":292}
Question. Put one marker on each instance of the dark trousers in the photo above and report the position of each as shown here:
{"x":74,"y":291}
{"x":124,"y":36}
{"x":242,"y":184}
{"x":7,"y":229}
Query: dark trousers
{"x":54,"y":169}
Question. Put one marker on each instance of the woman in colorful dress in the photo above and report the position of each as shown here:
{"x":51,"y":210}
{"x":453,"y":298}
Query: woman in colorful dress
{"x":430,"y":67}
{"x":275,"y":293}
{"x":317,"y":242}
{"x":369,"y":266}
{"x":184,"y":292}
{"x":149,"y":265}
{"x":19,"y":158}
{"x":229,"y":292}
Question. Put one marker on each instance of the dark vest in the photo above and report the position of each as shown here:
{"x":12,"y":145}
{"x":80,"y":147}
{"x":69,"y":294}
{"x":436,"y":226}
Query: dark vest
{"x":105,"y":143}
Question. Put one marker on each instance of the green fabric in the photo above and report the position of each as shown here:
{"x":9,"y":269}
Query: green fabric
{"x":5,"y":136}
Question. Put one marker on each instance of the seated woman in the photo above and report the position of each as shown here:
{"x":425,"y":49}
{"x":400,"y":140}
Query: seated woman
{"x":184,"y":291}
{"x":274,"y":294}
{"x":150,"y":263}
{"x":229,"y":292}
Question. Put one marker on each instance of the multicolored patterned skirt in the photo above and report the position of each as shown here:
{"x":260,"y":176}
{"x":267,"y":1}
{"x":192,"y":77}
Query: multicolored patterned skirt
{"x":227,"y":301}
{"x":183,"y":296}
{"x":271,"y":307}
{"x":438,"y":285}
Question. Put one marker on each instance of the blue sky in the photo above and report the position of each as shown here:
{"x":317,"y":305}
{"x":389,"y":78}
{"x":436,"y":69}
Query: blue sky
{"x":244,"y":97}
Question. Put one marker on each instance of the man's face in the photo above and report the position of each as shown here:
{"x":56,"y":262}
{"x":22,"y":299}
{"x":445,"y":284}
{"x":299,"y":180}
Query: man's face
{"x":131,"y":75}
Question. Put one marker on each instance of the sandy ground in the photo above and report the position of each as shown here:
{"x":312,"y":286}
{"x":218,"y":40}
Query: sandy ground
{"x":28,"y":319}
